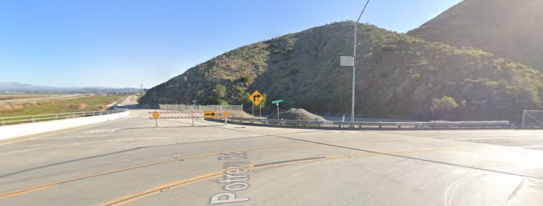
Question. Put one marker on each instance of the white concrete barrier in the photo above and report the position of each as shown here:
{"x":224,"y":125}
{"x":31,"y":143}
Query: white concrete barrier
{"x":20,"y":130}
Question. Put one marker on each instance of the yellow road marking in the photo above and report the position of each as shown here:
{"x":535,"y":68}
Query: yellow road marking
{"x":54,"y":184}
{"x":20,"y":192}
{"x":136,"y":196}
{"x":355,"y":155}
{"x":50,"y":185}
{"x":133,"y":197}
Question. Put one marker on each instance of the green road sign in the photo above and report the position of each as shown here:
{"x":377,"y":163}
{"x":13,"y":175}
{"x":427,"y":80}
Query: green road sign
{"x":277,"y":101}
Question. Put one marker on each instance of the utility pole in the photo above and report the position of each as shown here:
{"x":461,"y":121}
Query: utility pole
{"x":141,"y":89}
{"x":354,"y":55}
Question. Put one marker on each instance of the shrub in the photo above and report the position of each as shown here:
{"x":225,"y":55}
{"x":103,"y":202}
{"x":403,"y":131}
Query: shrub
{"x":389,"y":48}
{"x":244,"y":79}
{"x":442,"y":106}
{"x":220,"y":91}
{"x":293,"y":72}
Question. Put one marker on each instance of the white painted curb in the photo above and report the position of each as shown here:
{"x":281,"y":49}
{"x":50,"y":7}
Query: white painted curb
{"x":20,"y":130}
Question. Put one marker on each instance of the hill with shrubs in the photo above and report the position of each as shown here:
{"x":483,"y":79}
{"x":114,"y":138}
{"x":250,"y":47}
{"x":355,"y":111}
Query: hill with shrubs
{"x":398,"y":76}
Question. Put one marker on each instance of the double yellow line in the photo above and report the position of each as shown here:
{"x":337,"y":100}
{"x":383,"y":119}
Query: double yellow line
{"x":53,"y":184}
{"x":136,"y":196}
{"x":179,"y":183}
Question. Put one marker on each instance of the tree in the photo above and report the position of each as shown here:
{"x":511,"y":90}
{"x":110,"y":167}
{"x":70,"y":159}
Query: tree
{"x":263,"y":102}
{"x":442,"y":106}
{"x":245,"y":99}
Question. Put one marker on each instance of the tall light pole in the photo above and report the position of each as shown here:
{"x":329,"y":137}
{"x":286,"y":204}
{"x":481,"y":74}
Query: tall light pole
{"x":354,"y":55}
{"x":141,"y":86}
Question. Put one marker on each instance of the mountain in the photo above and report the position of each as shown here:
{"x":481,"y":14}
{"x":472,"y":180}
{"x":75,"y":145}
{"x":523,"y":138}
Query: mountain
{"x":20,"y":87}
{"x":507,"y":28}
{"x":398,"y":76}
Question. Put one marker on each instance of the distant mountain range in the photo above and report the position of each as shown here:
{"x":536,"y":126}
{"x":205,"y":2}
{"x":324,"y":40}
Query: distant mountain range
{"x":25,"y":88}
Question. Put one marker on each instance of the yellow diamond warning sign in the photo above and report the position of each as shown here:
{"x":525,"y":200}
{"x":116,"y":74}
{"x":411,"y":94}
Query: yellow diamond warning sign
{"x":256,"y":98}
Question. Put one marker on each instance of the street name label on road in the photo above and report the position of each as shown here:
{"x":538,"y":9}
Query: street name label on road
{"x":277,"y":101}
{"x":256,"y":98}
{"x":210,"y":114}
{"x":156,"y":115}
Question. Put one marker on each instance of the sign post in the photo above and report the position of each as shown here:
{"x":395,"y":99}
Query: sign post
{"x":225,"y":115}
{"x":192,"y":119}
{"x":156,"y":115}
{"x":256,"y":98}
{"x":349,"y":61}
{"x":277,"y":102}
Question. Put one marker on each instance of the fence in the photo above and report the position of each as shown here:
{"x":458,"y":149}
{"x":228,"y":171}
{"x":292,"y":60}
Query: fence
{"x":532,"y":119}
{"x":49,"y":117}
{"x":183,"y":107}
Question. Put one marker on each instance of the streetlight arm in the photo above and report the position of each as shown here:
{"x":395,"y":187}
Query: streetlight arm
{"x":363,"y":11}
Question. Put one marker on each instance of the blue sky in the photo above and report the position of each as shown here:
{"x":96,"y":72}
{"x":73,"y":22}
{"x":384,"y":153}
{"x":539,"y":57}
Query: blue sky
{"x":125,"y":43}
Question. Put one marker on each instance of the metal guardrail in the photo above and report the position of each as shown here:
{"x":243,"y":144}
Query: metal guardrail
{"x":362,"y":124}
{"x":49,"y":117}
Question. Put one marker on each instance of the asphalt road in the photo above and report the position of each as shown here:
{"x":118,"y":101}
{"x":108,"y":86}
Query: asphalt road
{"x":130,"y":102}
{"x":130,"y":162}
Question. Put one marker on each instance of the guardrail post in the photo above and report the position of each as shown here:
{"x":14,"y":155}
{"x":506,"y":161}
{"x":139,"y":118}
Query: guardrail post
{"x":33,"y":119}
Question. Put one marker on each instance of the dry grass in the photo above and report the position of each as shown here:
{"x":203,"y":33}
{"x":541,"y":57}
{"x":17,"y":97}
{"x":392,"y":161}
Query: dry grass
{"x":22,"y":96}
{"x":83,"y":104}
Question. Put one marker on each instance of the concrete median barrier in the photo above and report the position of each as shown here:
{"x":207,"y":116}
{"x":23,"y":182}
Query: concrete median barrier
{"x":21,"y":130}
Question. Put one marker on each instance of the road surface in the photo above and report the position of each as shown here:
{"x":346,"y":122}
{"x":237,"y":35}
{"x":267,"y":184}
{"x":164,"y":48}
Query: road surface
{"x":130,"y":102}
{"x":130,"y":162}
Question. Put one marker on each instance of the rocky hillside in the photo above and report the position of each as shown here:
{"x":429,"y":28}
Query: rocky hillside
{"x":507,"y":28}
{"x":399,"y":77}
